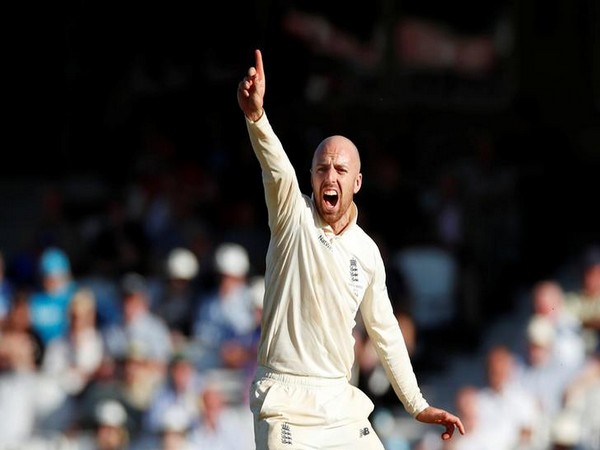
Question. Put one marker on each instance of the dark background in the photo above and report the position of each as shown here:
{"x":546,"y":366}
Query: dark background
{"x":106,"y":92}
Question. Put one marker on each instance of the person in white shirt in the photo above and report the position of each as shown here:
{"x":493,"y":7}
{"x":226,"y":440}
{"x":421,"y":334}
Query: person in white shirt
{"x":73,"y":359}
{"x":509,"y":415}
{"x":321,"y":269}
{"x":139,"y":325}
{"x":223,"y":424}
{"x":569,"y":345}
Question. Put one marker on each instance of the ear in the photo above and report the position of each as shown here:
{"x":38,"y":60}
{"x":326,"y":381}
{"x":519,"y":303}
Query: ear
{"x":358,"y":183}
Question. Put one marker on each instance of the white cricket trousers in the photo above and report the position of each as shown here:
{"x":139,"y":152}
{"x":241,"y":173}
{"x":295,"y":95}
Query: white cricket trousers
{"x":306,"y":413}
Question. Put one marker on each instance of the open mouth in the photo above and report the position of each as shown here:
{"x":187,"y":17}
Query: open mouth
{"x":330,"y":198}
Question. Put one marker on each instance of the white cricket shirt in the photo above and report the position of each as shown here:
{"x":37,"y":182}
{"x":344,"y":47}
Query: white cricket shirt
{"x":317,"y":281}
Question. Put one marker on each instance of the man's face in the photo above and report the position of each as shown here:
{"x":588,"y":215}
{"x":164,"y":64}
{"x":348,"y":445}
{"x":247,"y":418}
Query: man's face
{"x":335,"y":178}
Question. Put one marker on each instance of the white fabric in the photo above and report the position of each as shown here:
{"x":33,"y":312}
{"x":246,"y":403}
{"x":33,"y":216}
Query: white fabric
{"x":316,"y":282}
{"x":306,"y":413}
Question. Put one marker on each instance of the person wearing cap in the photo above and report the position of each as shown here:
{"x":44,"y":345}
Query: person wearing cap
{"x":177,"y":292}
{"x":565,"y":432}
{"x":49,"y":305}
{"x":173,"y":431}
{"x":111,"y":429}
{"x":321,"y":270}
{"x":108,"y":431}
{"x":226,"y":312}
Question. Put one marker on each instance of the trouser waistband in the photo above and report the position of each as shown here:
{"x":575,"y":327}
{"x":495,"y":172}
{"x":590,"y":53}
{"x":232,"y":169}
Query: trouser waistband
{"x":266,"y":372}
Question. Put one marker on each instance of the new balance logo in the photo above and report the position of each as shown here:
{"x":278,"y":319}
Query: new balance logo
{"x":286,"y":434}
{"x":364,"y":432}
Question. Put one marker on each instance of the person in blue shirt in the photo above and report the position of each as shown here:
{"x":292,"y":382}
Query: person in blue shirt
{"x":49,"y":304}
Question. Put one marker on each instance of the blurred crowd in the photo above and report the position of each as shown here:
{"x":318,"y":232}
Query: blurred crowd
{"x":541,"y":388}
{"x":130,"y":308}
{"x":136,"y":327}
{"x":131,"y":265}
{"x":153,"y":346}
{"x":537,"y":388}
{"x":133,"y":362}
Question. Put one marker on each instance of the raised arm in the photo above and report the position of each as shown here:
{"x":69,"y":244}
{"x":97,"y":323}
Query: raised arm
{"x":251,"y":90}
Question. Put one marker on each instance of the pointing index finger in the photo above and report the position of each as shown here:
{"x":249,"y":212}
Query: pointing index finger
{"x":259,"y":64}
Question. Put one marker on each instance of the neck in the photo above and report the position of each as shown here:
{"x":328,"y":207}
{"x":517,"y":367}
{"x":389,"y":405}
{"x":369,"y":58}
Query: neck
{"x":339,"y":226}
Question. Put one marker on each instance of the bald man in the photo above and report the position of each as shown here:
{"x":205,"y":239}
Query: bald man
{"x":321,"y":269}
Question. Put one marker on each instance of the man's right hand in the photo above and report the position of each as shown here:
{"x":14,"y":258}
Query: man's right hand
{"x":251,"y":90}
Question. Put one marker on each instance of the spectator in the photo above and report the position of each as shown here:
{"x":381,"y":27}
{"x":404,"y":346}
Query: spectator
{"x":548,"y":301}
{"x":510,"y":412}
{"x":49,"y":305}
{"x":102,"y":385}
{"x":226,"y":312}
{"x":109,"y":431}
{"x":478,"y":436}
{"x":72,"y":359}
{"x":180,"y":389}
{"x":18,"y":407}
{"x":172,"y":432}
{"x":585,"y":379}
{"x":19,"y":319}
{"x":582,"y":397}
{"x":139,"y":325}
{"x":132,"y":382}
{"x":221,"y":427}
{"x":467,"y":404}
{"x":27,"y":397}
{"x":585,"y":301}
{"x":177,"y":292}
{"x":541,"y":375}
{"x":540,"y":372}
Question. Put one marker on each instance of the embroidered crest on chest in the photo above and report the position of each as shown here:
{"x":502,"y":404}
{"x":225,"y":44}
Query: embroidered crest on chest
{"x":354,"y":275}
